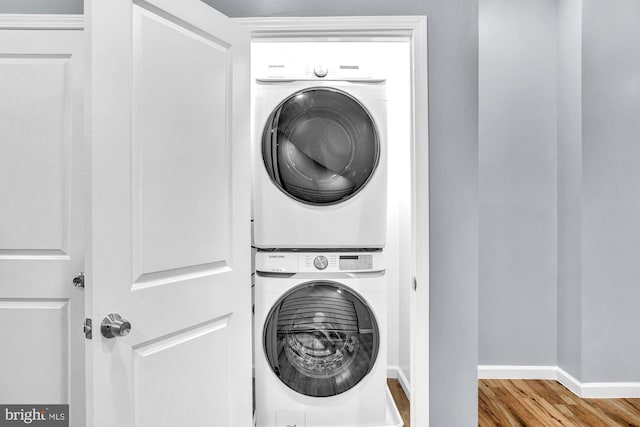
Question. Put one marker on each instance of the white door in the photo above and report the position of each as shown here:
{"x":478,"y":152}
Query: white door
{"x":170,"y":221}
{"x":41,"y":219}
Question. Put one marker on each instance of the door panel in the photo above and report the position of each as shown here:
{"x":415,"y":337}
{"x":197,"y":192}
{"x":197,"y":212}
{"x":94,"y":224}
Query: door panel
{"x":34,"y":117}
{"x":196,"y":367}
{"x":181,"y":139}
{"x":41,"y":219}
{"x":35,"y":370}
{"x":170,"y":215}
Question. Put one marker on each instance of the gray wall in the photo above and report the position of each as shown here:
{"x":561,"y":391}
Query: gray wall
{"x":518,"y":215}
{"x":570,"y":186}
{"x":611,"y":190}
{"x":598,"y":183}
{"x":42,"y":6}
{"x":453,"y":138}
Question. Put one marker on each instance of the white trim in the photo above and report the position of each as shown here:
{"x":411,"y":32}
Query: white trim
{"x":413,"y":28}
{"x":569,"y":381}
{"x":14,"y":21}
{"x":397,"y":373}
{"x":611,"y":390}
{"x":404,"y":383}
{"x":333,"y":26}
{"x":593,"y":390}
{"x":419,"y":302}
{"x":392,"y":372}
{"x":517,"y":372}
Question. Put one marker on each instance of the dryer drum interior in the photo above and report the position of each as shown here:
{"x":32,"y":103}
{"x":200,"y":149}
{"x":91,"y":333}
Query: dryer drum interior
{"x":321,"y":339}
{"x":320,"y":146}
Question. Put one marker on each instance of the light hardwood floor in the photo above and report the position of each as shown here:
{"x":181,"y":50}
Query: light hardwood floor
{"x":548,"y":403}
{"x":400,"y":398}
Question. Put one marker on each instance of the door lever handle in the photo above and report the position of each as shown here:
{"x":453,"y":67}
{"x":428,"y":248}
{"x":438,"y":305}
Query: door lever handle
{"x":115,"y":326}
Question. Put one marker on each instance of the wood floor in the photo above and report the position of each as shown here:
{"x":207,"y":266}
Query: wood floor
{"x":548,"y":403}
{"x":400,"y":398}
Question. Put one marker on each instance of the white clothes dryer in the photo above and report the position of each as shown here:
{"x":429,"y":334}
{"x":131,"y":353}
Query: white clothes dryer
{"x":320,"y":339}
{"x":320,"y":158}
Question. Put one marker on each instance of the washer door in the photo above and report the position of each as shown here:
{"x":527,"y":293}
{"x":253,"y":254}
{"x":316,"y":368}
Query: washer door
{"x":320,"y":146}
{"x":321,"y":339}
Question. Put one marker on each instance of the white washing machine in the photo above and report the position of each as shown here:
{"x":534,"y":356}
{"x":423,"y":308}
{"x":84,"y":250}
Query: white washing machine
{"x":320,"y":339}
{"x":320,"y":159}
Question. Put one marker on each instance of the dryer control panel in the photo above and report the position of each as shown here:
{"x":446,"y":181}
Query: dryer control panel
{"x":319,"y":262}
{"x":319,"y":71}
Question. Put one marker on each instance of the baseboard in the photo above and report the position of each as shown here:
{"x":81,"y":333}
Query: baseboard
{"x":593,"y":390}
{"x":404,"y":383}
{"x":392,"y":372}
{"x":611,"y":390}
{"x":396,"y":372}
{"x":521,"y":372}
{"x":569,"y":381}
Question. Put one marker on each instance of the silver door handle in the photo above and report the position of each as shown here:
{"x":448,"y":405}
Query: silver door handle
{"x":115,"y":326}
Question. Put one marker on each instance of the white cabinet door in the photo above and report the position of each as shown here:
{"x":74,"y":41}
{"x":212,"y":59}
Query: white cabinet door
{"x":170,"y":215}
{"x":41,"y":219}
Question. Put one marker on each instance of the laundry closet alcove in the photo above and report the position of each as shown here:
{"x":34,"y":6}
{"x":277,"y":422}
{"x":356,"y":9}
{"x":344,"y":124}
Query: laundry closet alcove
{"x":120,"y":212}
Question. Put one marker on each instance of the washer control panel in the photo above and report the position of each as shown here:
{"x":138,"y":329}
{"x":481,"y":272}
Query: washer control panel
{"x":337,"y":262}
{"x":319,"y":262}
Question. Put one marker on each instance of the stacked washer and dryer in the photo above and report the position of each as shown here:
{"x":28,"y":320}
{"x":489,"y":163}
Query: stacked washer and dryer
{"x":319,"y":203}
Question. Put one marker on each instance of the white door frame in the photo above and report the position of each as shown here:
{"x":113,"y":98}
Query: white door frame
{"x":33,"y":21}
{"x":413,"y":29}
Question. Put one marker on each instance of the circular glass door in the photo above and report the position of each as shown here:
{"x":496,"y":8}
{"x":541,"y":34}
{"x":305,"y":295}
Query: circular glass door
{"x":321,"y":339}
{"x":320,"y":146}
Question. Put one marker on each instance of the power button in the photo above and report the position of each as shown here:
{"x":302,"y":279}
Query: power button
{"x":320,"y":71}
{"x":320,"y":262}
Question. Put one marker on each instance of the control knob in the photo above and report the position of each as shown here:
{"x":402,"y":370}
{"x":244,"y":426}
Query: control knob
{"x":320,"y":71}
{"x":320,"y":262}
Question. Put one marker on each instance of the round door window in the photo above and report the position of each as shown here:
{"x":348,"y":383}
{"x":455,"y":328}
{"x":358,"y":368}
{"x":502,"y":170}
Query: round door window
{"x":320,"y":146}
{"x":321,"y":339}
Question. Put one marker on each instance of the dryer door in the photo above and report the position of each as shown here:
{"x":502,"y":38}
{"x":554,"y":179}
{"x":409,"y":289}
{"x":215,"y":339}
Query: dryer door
{"x":320,"y":146}
{"x":321,"y":339}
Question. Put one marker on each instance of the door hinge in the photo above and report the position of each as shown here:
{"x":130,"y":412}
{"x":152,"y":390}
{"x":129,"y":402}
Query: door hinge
{"x":78,"y":281}
{"x":88,"y":331}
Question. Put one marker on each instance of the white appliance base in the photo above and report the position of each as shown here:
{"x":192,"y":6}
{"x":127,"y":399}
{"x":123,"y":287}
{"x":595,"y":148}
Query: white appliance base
{"x":394,"y":419}
{"x":393,"y":415}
